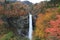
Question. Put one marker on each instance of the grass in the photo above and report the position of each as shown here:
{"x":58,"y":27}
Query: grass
{"x":7,"y":36}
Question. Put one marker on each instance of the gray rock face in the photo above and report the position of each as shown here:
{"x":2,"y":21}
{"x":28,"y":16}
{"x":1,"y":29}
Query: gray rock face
{"x":20,"y":23}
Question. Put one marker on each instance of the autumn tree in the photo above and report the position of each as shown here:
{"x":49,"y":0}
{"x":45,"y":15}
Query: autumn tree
{"x":42,"y":22}
{"x":53,"y":32}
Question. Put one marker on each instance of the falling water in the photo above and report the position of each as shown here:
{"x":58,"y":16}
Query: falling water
{"x":30,"y":27}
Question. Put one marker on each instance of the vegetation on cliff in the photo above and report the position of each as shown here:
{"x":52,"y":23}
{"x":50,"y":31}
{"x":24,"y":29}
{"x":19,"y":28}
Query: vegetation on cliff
{"x":46,"y":20}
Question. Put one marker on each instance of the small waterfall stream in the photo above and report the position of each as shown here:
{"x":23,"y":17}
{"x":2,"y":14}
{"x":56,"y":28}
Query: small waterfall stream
{"x":30,"y":27}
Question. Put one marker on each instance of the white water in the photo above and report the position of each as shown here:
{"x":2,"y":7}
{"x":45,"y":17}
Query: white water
{"x":30,"y":27}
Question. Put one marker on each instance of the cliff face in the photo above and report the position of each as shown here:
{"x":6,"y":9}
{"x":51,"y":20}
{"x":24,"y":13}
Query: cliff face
{"x":15,"y":18}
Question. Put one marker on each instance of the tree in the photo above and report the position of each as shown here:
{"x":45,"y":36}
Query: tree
{"x":54,"y":2}
{"x":42,"y":22}
{"x":53,"y":32}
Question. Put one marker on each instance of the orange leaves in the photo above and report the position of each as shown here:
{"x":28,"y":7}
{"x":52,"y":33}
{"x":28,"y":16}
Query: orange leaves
{"x":39,"y":27}
{"x":1,"y":7}
{"x":1,"y":22}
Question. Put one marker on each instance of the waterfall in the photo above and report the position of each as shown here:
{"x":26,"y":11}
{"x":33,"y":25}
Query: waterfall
{"x":30,"y":27}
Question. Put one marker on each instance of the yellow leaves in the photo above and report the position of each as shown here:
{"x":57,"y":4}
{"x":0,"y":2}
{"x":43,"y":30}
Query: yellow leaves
{"x":39,"y":33}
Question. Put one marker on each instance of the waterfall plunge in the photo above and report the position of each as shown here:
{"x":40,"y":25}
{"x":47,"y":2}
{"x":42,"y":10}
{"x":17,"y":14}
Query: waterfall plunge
{"x":30,"y":27}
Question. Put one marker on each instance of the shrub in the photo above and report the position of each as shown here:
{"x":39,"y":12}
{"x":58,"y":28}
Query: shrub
{"x":7,"y":36}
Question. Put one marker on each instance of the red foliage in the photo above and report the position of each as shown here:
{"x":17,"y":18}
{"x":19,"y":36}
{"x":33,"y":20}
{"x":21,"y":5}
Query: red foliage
{"x":54,"y":30}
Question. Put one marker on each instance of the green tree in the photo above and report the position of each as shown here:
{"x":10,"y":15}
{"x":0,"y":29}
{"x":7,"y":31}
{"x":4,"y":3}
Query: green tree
{"x":54,"y":2}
